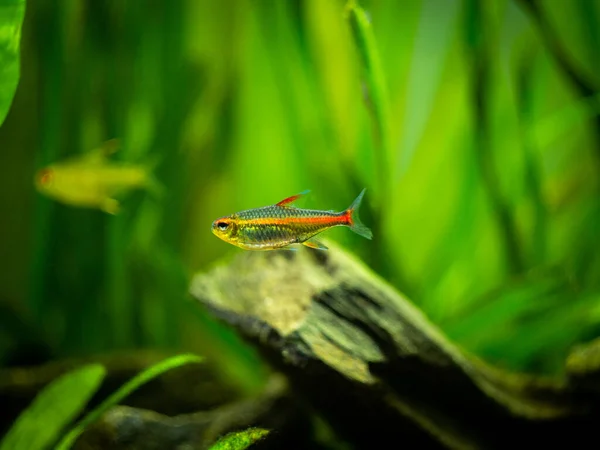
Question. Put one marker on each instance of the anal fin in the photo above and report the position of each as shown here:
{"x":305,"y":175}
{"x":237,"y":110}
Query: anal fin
{"x":313,"y":243}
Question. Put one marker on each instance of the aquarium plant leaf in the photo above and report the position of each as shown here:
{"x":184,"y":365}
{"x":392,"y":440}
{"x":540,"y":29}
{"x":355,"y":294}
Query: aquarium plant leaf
{"x":239,"y":440}
{"x":137,"y":381}
{"x":55,"y":406}
{"x":562,"y":123}
{"x":376,"y":91}
{"x":11,"y":20}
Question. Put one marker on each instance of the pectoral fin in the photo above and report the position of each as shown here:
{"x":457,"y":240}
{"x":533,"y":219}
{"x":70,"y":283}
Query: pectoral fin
{"x":98,"y":155}
{"x":313,"y":243}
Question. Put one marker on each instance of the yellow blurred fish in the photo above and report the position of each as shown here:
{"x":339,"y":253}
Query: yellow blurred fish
{"x":92,"y":181}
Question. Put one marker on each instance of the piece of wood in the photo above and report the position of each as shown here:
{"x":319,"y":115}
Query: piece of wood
{"x":187,"y":389}
{"x":124,"y":427}
{"x":375,"y":367}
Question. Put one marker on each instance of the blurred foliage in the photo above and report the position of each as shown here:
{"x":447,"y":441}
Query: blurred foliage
{"x":11,"y":20}
{"x":40,"y":425}
{"x":484,"y":196}
{"x":60,"y":402}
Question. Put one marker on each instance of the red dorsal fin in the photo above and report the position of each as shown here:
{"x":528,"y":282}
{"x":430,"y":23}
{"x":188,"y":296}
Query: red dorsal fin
{"x":288,"y":201}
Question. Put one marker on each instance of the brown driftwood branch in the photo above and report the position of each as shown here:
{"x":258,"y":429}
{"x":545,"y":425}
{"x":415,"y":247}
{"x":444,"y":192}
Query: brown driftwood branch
{"x":125,"y":427}
{"x":170,"y":394}
{"x":375,"y":367}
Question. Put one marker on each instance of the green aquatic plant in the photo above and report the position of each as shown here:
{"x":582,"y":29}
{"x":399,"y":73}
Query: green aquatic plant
{"x":376,"y":98}
{"x":11,"y":20}
{"x":376,"y":90}
{"x":41,"y":424}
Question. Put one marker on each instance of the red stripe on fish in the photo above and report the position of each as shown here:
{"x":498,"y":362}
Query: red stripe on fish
{"x":272,"y":227}
{"x":321,"y":220}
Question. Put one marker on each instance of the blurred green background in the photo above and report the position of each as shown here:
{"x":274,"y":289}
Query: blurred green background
{"x":484,"y":202}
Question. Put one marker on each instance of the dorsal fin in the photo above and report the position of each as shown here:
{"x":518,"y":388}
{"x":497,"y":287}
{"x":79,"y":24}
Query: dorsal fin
{"x":288,"y":201}
{"x":99,"y":154}
{"x":111,"y":146}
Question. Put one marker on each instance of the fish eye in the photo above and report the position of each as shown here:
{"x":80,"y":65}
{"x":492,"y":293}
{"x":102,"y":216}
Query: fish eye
{"x":222,"y":225}
{"x":46,"y":177}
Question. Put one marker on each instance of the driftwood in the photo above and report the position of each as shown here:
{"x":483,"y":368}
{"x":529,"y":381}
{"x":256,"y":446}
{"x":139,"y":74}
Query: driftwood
{"x":378,"y":371}
{"x":128,"y":428}
{"x":169,"y":394}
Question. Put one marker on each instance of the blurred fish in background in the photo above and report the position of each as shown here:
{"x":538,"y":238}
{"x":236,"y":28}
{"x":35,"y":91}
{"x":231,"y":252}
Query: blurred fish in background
{"x":92,"y":181}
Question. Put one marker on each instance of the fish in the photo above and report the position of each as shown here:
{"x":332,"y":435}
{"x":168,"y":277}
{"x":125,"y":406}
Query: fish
{"x":284,"y":226}
{"x":91,"y":180}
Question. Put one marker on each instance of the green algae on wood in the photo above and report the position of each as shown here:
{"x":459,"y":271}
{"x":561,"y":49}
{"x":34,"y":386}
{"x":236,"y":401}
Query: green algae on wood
{"x":239,"y":440}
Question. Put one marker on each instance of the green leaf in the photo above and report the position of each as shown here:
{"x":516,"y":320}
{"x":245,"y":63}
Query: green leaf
{"x":549,"y":129}
{"x":377,"y":94}
{"x":123,"y":392}
{"x":11,"y":20}
{"x":54,"y":407}
{"x":239,"y":440}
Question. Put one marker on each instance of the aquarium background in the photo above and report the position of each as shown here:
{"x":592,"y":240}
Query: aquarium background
{"x":481,"y":161}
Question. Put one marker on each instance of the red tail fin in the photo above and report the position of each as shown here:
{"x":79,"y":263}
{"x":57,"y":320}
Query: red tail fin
{"x":354,"y":220}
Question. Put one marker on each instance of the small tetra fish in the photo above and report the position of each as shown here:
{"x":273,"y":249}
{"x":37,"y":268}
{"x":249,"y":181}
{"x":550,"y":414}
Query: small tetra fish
{"x":91,"y":180}
{"x":282,"y":225}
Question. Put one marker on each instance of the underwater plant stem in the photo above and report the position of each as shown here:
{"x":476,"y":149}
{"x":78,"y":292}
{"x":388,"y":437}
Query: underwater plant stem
{"x":49,"y":144}
{"x":375,"y":87}
{"x":119,"y":296}
{"x":533,"y":177}
{"x":586,"y":87}
{"x":480,"y":49}
{"x":376,"y":98}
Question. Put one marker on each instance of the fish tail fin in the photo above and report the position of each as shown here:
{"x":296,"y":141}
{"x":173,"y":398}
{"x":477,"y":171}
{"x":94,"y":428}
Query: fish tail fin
{"x":354,"y":220}
{"x":152,"y":184}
